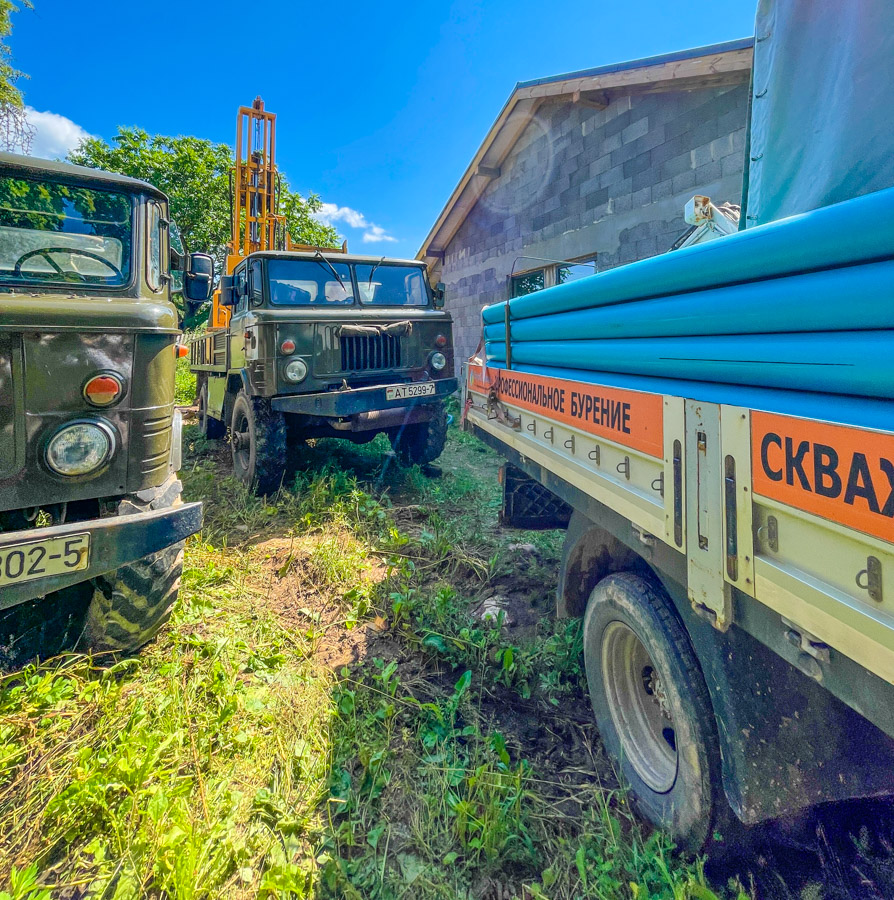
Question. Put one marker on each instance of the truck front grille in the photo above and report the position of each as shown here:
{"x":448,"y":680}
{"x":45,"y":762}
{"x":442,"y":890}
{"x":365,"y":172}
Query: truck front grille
{"x":359,"y":354}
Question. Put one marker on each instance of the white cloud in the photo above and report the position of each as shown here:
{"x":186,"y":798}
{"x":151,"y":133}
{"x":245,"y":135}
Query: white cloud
{"x":375,"y":234}
{"x":372,"y":234}
{"x":55,"y":136}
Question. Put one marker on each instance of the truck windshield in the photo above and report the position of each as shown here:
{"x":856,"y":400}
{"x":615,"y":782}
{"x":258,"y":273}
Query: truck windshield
{"x":60,"y":233}
{"x":302,"y":282}
{"x":389,"y":285}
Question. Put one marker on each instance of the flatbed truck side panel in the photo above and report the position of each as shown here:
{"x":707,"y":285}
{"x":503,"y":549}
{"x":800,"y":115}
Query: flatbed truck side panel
{"x":773,"y":720}
{"x":792,"y":725}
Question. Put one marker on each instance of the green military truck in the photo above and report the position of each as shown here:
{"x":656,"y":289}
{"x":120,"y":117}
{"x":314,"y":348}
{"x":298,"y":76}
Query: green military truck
{"x":324,"y":345}
{"x":91,"y":523}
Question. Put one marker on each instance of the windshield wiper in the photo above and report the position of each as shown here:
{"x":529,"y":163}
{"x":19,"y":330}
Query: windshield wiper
{"x":320,"y":259}
{"x":369,"y":283}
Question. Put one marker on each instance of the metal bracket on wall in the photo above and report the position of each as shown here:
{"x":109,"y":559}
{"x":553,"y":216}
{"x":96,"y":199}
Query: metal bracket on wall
{"x":595,"y":455}
{"x":624,"y":467}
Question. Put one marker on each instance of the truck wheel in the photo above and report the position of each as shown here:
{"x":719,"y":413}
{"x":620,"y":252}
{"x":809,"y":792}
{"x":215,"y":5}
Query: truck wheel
{"x":209,"y":426}
{"x":422,"y":442}
{"x":131,"y":604}
{"x":43,"y":627}
{"x":652,"y":707}
{"x":258,"y":439}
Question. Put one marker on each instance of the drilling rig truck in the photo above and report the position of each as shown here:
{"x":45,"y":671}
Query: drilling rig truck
{"x":312,"y":342}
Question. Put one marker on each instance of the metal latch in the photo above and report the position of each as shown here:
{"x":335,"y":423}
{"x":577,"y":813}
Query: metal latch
{"x":678,"y":493}
{"x":812,"y":651}
{"x":770,"y":533}
{"x":732,"y":532}
{"x":644,"y":536}
{"x":805,"y":641}
{"x":870,"y":578}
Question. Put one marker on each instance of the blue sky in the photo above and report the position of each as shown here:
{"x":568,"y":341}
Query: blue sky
{"x":380,"y":106}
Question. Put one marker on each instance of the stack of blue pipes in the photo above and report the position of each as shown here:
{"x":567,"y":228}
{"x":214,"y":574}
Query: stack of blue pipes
{"x":796,"y":317}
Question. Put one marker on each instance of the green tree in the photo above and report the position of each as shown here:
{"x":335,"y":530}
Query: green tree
{"x":300,"y":221}
{"x":195,"y":174}
{"x":15,"y":132}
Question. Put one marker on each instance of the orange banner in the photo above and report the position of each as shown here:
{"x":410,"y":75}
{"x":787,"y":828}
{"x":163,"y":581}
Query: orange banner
{"x":630,"y":418}
{"x":839,"y":473}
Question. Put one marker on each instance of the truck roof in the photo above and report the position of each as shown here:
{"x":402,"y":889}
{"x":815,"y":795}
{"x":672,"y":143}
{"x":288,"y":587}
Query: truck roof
{"x":334,"y":255}
{"x":34,"y":166}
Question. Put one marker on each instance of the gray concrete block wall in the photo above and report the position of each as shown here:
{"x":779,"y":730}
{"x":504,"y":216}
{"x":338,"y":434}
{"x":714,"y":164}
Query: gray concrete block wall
{"x":608,"y":183}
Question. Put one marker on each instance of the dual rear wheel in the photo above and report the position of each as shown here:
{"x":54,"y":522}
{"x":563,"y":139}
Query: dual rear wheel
{"x":652,"y":708}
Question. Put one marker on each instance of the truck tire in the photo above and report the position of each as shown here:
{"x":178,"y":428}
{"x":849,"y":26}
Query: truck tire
{"x":130,"y":605}
{"x":209,"y":426}
{"x":652,"y":708}
{"x":43,"y":627}
{"x":422,"y":442}
{"x":258,"y":440}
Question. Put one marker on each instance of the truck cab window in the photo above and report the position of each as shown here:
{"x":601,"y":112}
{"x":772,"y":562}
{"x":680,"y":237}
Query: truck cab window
{"x":178,"y":258}
{"x":154,"y":247}
{"x":52,"y":233}
{"x":305,"y":282}
{"x":390,"y":285}
{"x":241,"y":288}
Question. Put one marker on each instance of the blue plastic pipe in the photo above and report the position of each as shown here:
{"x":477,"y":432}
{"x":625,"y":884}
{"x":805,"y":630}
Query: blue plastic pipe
{"x":853,"y":297}
{"x":857,"y":230}
{"x":858,"y":412}
{"x":854,"y":362}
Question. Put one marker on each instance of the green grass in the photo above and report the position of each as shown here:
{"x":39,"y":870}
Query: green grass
{"x":184,"y":383}
{"x":230,"y":760}
{"x":194,"y":769}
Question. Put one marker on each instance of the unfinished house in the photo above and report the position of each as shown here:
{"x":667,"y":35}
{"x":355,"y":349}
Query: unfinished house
{"x":589,"y":170}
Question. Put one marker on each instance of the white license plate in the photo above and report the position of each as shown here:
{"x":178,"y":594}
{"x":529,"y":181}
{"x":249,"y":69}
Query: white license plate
{"x":406,"y":391}
{"x":38,"y":559}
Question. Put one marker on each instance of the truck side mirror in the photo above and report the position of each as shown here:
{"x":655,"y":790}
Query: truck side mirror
{"x":198,"y":282}
{"x":439,"y":292}
{"x":227,"y":290}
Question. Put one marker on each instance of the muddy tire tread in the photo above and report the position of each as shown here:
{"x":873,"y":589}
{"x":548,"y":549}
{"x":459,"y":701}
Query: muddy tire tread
{"x":270,"y":444}
{"x":719,"y":816}
{"x":131,"y":604}
{"x":422,"y":443}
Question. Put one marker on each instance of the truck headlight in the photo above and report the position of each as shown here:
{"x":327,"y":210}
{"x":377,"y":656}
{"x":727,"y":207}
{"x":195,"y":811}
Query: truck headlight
{"x":438,"y":361}
{"x":295,"y":371}
{"x":79,"y":448}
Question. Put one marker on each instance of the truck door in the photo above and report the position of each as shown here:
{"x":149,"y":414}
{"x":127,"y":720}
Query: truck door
{"x":237,"y":321}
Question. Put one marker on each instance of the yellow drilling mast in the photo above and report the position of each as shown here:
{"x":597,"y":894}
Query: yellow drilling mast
{"x":255,"y":223}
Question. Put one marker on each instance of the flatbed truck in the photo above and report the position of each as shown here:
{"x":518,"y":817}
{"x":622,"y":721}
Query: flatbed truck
{"x":729,"y":544}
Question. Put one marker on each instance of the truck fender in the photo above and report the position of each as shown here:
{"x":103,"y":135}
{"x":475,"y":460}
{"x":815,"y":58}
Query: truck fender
{"x":588,"y":555}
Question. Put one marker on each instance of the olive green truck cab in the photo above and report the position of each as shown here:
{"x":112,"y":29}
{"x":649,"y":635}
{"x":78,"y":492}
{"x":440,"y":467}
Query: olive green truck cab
{"x":91,"y":523}
{"x":324,"y":344}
